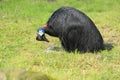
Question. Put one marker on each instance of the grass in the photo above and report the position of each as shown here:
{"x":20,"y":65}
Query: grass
{"x":19,"y":20}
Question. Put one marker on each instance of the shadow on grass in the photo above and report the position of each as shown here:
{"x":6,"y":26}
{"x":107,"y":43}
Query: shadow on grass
{"x":108,"y":46}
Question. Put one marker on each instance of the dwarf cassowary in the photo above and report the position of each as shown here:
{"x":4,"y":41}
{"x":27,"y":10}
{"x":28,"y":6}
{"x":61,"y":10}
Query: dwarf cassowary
{"x":76,"y":31}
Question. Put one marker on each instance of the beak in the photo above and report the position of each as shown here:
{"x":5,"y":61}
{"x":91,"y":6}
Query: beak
{"x":44,"y":38}
{"x":41,"y":38}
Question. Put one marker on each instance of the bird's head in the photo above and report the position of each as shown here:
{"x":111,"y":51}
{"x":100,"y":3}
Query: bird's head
{"x":41,"y":35}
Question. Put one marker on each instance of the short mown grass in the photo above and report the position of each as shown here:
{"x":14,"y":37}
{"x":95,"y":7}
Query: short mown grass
{"x":19,"y":20}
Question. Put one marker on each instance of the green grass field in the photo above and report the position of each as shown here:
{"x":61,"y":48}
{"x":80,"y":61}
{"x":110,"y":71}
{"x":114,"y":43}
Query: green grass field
{"x":19,"y":21}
